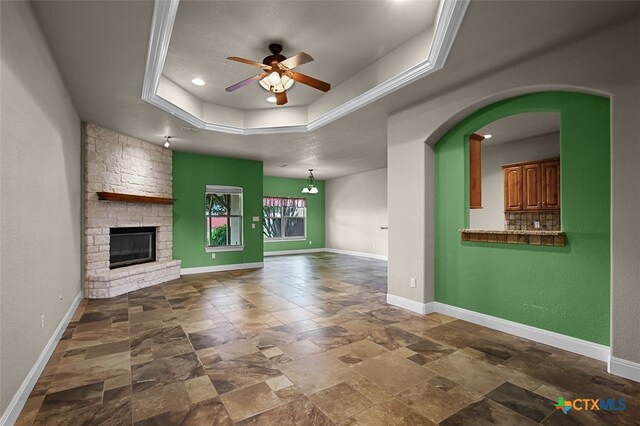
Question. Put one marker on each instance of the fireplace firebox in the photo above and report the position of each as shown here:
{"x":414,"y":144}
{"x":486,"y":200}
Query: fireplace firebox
{"x":131,"y":246}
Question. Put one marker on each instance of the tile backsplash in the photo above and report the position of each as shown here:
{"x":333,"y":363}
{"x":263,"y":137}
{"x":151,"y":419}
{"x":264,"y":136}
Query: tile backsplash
{"x":524,"y":221}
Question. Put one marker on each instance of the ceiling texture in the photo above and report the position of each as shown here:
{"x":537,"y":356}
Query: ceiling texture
{"x":521,"y":126}
{"x":101,"y":49}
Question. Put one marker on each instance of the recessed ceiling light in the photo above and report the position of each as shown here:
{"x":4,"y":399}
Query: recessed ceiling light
{"x":488,"y":136}
{"x":271,"y":99}
{"x":198,"y":81}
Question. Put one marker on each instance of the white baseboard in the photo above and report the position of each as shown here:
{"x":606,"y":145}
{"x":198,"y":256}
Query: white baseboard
{"x":286,"y":252}
{"x":411,"y":305}
{"x":357,"y":253}
{"x":623,"y":368}
{"x":14,"y":408}
{"x":220,"y":268}
{"x":567,"y":343}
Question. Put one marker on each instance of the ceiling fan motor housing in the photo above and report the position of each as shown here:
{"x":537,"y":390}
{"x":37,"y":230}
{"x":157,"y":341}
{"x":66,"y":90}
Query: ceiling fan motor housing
{"x":275,"y":56}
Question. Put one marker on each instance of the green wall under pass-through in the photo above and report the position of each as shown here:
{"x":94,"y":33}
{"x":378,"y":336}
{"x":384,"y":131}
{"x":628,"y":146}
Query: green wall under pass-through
{"x":561,"y":289}
{"x":191,"y":174}
{"x":287,"y":187}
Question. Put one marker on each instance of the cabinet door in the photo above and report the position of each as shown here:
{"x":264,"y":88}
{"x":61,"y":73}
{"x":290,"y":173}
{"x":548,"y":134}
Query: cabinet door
{"x":513,"y":188}
{"x":551,"y":185}
{"x":475,"y":171}
{"x":532,"y":186}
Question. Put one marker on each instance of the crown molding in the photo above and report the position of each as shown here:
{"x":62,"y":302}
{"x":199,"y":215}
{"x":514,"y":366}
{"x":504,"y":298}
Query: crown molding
{"x":450,"y":16}
{"x":164,"y":16}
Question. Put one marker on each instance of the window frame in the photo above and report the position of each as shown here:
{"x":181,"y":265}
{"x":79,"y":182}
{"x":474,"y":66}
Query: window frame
{"x":282,"y":227}
{"x":231,"y":190}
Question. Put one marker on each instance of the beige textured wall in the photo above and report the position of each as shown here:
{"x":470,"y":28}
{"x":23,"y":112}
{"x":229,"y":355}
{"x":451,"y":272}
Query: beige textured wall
{"x":40,"y":193}
{"x":596,"y":64}
{"x":356,"y":208}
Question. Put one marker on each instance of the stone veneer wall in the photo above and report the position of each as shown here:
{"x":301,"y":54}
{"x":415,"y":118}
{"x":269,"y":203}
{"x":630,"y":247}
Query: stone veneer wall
{"x":119,"y":163}
{"x":523,"y":221}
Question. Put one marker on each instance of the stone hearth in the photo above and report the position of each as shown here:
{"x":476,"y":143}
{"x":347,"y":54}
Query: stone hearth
{"x":122,"y":164}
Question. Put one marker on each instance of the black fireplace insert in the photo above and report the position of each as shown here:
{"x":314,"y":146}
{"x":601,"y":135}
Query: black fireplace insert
{"x":131,"y":246}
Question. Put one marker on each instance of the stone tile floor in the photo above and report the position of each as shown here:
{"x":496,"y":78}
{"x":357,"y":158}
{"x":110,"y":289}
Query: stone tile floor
{"x":308,"y":340}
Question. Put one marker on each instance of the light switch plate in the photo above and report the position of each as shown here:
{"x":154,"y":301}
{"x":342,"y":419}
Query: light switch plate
{"x":256,"y":218}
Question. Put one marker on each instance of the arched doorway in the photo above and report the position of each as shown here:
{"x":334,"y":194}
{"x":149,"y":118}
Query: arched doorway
{"x":561,"y":289}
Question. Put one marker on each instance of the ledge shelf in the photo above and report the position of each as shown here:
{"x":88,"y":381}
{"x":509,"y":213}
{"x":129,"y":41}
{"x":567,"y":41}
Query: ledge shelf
{"x":131,"y":198}
{"x":534,"y":238}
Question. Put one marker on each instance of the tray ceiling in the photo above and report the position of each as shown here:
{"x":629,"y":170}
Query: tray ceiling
{"x":366,"y":49}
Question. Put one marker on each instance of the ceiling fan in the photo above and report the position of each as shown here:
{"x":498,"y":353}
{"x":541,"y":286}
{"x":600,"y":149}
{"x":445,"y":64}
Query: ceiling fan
{"x":277,"y":75}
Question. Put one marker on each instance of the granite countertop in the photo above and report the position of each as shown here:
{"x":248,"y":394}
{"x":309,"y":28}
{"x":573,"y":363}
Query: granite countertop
{"x":493,"y":231}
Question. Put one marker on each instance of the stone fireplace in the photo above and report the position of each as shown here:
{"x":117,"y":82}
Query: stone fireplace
{"x":128,"y":237}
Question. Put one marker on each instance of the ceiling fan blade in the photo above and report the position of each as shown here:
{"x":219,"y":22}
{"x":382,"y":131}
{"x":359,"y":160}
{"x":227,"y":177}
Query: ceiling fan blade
{"x":245,"y":82}
{"x":281,"y":98}
{"x":309,"y":81}
{"x":297,"y":60}
{"x":249,"y":62}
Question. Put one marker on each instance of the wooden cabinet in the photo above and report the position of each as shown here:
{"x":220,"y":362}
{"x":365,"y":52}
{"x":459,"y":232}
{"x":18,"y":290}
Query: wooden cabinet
{"x":551,"y":185}
{"x":513,"y":188}
{"x":531,"y":186}
{"x":475,"y":171}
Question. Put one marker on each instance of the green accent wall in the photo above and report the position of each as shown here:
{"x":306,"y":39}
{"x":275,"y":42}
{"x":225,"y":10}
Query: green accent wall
{"x":561,"y":289}
{"x":286,"y":187}
{"x":191,"y":174}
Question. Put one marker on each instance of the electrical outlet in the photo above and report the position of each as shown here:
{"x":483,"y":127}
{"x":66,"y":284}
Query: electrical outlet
{"x":536,"y":224}
{"x":213,"y":255}
{"x":412,"y":282}
{"x":253,"y":225}
{"x":42,"y":321}
{"x":310,"y":242}
{"x":374,"y":246}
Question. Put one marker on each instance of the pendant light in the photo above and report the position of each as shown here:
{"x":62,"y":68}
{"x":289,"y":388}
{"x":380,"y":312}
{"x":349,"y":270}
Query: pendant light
{"x":310,"y":188}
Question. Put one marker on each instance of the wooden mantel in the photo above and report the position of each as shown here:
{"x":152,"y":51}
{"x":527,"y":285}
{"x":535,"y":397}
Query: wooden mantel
{"x":131,"y":198}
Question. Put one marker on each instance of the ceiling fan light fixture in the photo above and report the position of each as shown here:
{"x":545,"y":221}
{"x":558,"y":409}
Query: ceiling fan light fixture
{"x":198,"y":82}
{"x":271,"y":99}
{"x":287,"y":82}
{"x":313,"y":190}
{"x":305,"y":190}
{"x":265,"y":84}
{"x":274,"y":78}
{"x":284,"y":83}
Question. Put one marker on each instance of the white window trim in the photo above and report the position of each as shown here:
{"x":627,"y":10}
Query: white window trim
{"x":218,"y":189}
{"x":285,"y":239}
{"x":211,"y":249}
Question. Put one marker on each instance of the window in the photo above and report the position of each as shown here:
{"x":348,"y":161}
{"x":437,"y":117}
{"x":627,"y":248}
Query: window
{"x":223,"y":218}
{"x":284,"y":218}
